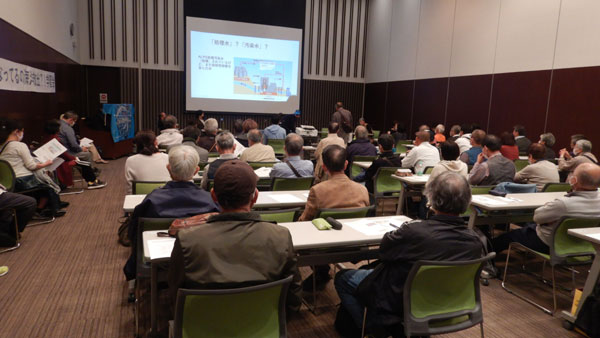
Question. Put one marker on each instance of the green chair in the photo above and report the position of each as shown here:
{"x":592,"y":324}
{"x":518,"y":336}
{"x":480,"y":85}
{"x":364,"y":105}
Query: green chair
{"x":324,"y":132}
{"x":296,"y":183}
{"x":565,"y":250}
{"x":556,"y":187}
{"x":252,"y":312}
{"x":202,"y":165}
{"x":405,"y":142}
{"x":341,"y":213}
{"x":355,"y":169}
{"x":280,"y":216}
{"x":432,"y":308}
{"x":428,"y":170}
{"x":387,"y":188}
{"x":520,"y":164}
{"x":277,"y":145}
{"x":7,"y":237}
{"x":401,"y":148}
{"x":376,"y":134}
{"x":144,"y":188}
{"x":256,"y":165}
{"x":477,"y":190}
{"x":213,"y":154}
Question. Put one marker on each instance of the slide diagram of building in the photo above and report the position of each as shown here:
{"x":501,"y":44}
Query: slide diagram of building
{"x":262,"y":77}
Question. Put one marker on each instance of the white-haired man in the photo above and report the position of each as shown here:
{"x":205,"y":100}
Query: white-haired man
{"x":583,"y":154}
{"x":179,"y":198}
{"x":170,"y":135}
{"x":225,"y":145}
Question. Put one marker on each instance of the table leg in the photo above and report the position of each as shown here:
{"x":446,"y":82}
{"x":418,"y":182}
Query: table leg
{"x":401,"y":198}
{"x":153,"y":297}
{"x":590,"y":283}
{"x":473,"y":217}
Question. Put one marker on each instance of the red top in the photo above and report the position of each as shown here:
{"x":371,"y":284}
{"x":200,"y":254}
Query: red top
{"x":510,"y":152}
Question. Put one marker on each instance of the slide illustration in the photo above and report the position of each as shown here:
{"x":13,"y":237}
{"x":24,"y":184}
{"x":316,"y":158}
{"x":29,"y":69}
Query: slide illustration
{"x":262,"y":77}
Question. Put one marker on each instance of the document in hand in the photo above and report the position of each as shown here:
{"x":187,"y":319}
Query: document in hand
{"x":85,"y":142}
{"x":49,"y":151}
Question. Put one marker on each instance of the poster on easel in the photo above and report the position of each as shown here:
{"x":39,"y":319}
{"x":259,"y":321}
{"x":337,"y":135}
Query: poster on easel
{"x":122,"y":126}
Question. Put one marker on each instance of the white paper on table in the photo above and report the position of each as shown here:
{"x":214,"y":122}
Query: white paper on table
{"x":55,"y":164}
{"x":85,"y":142}
{"x":490,"y":200}
{"x":263,"y":171}
{"x":160,"y":248}
{"x":285,"y":198}
{"x":375,"y":227}
{"x":49,"y":151}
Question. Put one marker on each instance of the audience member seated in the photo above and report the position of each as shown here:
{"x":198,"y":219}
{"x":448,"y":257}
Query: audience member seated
{"x":539,"y":171}
{"x":207,"y":140}
{"x":423,"y":151}
{"x":496,"y":169}
{"x":470,"y":156}
{"x":450,"y":161}
{"x":455,"y":132}
{"x":398,"y":131}
{"x":386,"y":159}
{"x":191,"y":135}
{"x":574,"y":139}
{"x":148,"y":164}
{"x":443,"y":237}
{"x":239,"y":134}
{"x":332,"y":138}
{"x":522,"y":142}
{"x":583,"y":201}
{"x":290,"y":121}
{"x":24,"y":207}
{"x":464,"y":140}
{"x":364,"y":124}
{"x":225,"y":145}
{"x":161,"y":121}
{"x":361,"y":146}
{"x":170,"y":135}
{"x":293,"y":166}
{"x":64,"y":172}
{"x":548,"y":141}
{"x":29,"y":173}
{"x":439,"y":136}
{"x":509,"y":147}
{"x":257,"y":152}
{"x":426,"y":128}
{"x":582,"y":154}
{"x":274,"y":131}
{"x":67,"y":137}
{"x":235,"y":248}
{"x":180,"y":197}
{"x":200,"y":114}
{"x":337,"y":192}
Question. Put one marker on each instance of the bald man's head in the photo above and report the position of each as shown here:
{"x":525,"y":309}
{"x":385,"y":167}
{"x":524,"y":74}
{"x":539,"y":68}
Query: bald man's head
{"x":423,"y":136}
{"x":587,"y":176}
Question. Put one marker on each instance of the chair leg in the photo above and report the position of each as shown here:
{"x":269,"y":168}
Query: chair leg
{"x":50,"y":220}
{"x":11,"y":248}
{"x":364,"y":322}
{"x":481,"y":325}
{"x":553,"y":291}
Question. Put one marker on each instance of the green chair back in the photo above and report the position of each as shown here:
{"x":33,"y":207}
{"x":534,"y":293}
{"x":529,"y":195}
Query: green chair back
{"x":355,"y":169}
{"x":405,"y":142}
{"x":324,"y":132}
{"x":431,"y":307}
{"x":428,"y":170}
{"x":481,"y":189}
{"x":556,"y":187}
{"x":376,"y":134}
{"x":520,"y":164}
{"x":565,"y":248}
{"x":256,"y":165}
{"x":214,"y":154}
{"x":7,"y":175}
{"x":252,"y":312}
{"x":144,"y":188}
{"x":286,"y":184}
{"x":277,"y":145}
{"x":340,"y":213}
{"x":280,"y":216}
{"x":384,"y":183}
{"x":400,"y":148}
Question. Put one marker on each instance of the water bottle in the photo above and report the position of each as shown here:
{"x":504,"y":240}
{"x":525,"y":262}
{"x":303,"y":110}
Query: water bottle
{"x":419,"y":168}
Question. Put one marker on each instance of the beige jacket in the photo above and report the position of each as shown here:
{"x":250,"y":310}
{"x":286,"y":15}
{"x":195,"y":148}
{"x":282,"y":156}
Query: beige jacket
{"x":538,"y":173}
{"x":337,"y":192}
{"x":258,"y":152}
{"x":329,"y":140}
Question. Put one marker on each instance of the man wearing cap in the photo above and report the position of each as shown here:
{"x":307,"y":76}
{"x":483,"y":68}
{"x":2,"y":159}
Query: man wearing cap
{"x":235,"y":248}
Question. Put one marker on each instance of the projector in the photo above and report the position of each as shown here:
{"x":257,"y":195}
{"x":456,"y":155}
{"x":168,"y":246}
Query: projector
{"x":308,"y":131}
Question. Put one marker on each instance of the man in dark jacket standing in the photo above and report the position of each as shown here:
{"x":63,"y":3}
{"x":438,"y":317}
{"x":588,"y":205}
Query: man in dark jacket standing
{"x":344,"y":118}
{"x":443,"y":237}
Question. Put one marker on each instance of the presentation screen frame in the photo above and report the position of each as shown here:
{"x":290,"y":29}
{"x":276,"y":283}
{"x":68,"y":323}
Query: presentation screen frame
{"x":248,"y":30}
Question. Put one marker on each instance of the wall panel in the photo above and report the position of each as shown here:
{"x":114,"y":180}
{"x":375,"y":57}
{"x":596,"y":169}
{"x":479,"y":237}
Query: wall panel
{"x":403,"y":43}
{"x":399,"y":105}
{"x":577,"y":42}
{"x":468,"y":100}
{"x":429,"y":102}
{"x":435,"y":38}
{"x":375,"y":103}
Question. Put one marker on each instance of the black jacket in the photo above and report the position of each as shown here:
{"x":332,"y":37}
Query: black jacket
{"x":386,"y":159}
{"x":441,"y":238}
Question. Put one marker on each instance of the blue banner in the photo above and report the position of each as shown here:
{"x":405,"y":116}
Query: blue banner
{"x":122,"y":126}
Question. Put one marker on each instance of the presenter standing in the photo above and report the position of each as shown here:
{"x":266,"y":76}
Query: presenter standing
{"x":344,"y":118}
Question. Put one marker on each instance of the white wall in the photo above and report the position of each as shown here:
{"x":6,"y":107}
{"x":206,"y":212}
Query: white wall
{"x":418,"y":39}
{"x":45,"y":20}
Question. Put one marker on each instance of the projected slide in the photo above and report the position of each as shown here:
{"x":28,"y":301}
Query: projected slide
{"x":257,"y":69}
